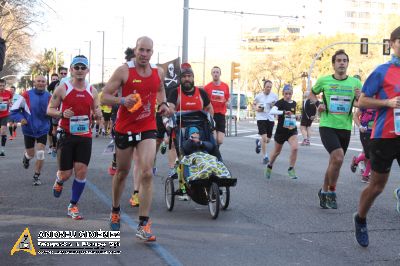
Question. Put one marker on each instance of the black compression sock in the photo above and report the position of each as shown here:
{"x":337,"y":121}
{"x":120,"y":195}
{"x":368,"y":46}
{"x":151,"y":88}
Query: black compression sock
{"x":361,"y":220}
{"x":143,"y":220}
{"x":116,"y":209}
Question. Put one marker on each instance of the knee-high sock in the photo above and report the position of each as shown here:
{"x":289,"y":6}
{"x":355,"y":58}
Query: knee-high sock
{"x":367,"y":169}
{"x":360,"y":157}
{"x":77,"y":189}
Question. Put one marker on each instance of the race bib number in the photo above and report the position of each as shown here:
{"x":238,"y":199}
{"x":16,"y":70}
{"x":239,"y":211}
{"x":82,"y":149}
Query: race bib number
{"x":396,"y":117}
{"x":3,"y":106}
{"x":340,"y":104}
{"x":217,"y":96}
{"x":79,"y":125}
{"x":289,"y":122}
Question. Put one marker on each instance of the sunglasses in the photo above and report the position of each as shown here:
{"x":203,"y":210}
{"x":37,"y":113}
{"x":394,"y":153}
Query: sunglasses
{"x":63,"y":73}
{"x":80,"y":67}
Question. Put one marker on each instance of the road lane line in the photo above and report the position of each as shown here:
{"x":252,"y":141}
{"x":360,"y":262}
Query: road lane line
{"x":157,"y":248}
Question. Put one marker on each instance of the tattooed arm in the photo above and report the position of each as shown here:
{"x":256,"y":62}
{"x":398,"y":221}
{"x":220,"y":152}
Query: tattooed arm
{"x":55,"y":102}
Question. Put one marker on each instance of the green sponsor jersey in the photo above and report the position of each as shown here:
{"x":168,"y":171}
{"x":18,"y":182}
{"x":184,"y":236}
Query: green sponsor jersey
{"x":338,"y":97}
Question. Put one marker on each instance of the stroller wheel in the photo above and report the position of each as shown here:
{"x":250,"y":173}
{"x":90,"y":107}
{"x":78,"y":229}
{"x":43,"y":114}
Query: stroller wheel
{"x":224,"y":194}
{"x":169,"y":193}
{"x":214,"y":200}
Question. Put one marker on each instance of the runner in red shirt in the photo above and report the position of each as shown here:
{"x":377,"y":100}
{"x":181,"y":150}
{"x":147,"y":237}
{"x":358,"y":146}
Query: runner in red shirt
{"x":5,"y":102}
{"x":142,"y":85}
{"x":218,"y":92}
{"x":74,"y":102}
{"x":188,"y":97}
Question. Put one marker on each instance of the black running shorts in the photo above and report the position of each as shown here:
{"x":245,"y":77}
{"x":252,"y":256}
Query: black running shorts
{"x":3,"y":121}
{"x":365,"y":140}
{"x":106,"y":116}
{"x":383,"y":152}
{"x":30,"y":141}
{"x":281,"y":137}
{"x":161,"y":130}
{"x":305,"y":122}
{"x":71,"y":149}
{"x":333,"y":138}
{"x":265,"y":127}
{"x":123,"y":141}
{"x":219,"y":122}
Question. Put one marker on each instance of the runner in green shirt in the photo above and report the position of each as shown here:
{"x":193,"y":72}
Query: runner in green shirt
{"x":339,"y":94}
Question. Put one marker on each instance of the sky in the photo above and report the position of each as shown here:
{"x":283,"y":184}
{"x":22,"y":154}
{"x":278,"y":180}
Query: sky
{"x":71,"y":25}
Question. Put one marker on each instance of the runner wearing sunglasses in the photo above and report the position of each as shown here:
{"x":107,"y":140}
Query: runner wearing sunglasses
{"x":73,"y":102}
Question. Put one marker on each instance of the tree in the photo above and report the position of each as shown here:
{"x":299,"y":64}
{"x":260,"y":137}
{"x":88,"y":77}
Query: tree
{"x":16,"y":17}
{"x":45,"y":64}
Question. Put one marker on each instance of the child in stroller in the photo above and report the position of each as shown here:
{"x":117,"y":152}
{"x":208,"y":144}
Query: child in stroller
{"x":194,"y":144}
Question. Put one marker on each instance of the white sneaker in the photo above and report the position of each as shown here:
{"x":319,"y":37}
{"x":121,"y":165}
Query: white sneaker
{"x":183,"y":197}
{"x":397,"y":196}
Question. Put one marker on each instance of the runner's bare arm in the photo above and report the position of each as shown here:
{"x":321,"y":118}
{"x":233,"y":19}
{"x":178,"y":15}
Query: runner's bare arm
{"x":161,"y":97}
{"x":55,"y":102}
{"x":209,"y":109}
{"x":96,"y":105}
{"x":118,"y":79}
{"x":356,"y":118}
{"x":369,"y":102}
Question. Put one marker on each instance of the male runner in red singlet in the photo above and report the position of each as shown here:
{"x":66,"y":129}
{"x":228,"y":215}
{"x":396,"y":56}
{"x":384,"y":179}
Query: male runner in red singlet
{"x":73,"y":102}
{"x":5,"y":100}
{"x":218,"y":92}
{"x":136,"y":128}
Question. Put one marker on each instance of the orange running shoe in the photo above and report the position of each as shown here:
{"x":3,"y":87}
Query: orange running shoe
{"x":134,"y":200}
{"x":73,"y":211}
{"x":115,"y":221}
{"x":144,"y":232}
{"x":57,"y":189}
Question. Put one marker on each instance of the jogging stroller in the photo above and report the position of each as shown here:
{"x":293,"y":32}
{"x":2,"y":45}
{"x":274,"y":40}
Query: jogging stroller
{"x":201,"y":172}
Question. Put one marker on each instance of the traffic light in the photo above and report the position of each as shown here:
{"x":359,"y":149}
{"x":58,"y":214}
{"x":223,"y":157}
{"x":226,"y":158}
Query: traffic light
{"x":364,"y":46}
{"x":235,"y":71}
{"x":386,"y":47}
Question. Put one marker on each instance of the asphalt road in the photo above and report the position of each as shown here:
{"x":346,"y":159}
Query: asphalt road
{"x":269,"y":222}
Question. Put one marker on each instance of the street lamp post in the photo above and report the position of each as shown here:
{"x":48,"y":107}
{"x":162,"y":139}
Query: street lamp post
{"x":102,"y":60}
{"x":90,"y":56}
{"x":185,"y":39}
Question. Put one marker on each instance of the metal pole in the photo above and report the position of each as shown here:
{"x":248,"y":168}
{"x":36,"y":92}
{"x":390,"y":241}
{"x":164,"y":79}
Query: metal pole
{"x":204,"y":61}
{"x":56,"y":55}
{"x":230,"y":112}
{"x":185,"y":42}
{"x":90,"y":56}
{"x":102,"y":64}
{"x":102,"y":60}
{"x":122,"y":37}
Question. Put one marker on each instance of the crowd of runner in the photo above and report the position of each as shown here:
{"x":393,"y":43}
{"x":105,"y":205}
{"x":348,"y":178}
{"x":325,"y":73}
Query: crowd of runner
{"x":135,"y":106}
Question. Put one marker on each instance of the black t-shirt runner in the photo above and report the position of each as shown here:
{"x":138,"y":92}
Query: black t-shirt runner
{"x":284,"y":106}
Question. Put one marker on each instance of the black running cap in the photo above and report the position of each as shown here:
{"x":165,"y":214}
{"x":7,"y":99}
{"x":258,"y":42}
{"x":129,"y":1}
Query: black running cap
{"x":186,"y":68}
